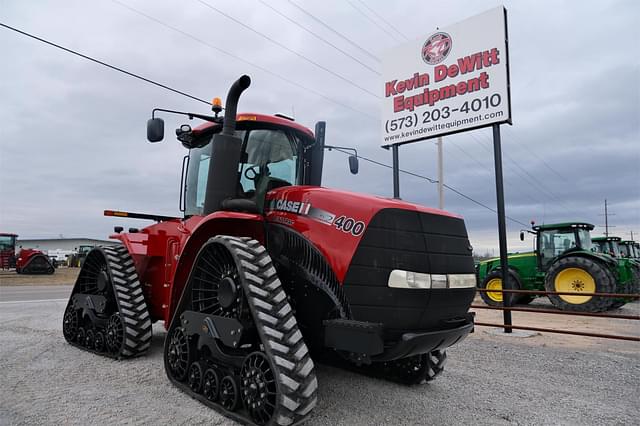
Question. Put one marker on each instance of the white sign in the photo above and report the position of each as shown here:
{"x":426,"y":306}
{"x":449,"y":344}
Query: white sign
{"x":454,"y":79}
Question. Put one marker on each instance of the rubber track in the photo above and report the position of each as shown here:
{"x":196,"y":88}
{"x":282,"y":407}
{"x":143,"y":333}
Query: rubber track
{"x":278,"y":330}
{"x":432,"y":365}
{"x":131,"y":303}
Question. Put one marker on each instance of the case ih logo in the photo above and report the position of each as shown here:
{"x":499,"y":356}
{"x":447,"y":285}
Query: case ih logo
{"x":436,"y":48}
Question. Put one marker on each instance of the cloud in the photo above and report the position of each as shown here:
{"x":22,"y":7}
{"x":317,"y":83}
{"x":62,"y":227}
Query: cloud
{"x":72,"y":140}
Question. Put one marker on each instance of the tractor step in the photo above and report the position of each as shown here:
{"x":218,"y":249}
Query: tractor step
{"x":358,"y":337}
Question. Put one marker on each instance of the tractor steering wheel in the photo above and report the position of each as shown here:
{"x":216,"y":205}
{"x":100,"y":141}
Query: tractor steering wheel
{"x":252,"y":173}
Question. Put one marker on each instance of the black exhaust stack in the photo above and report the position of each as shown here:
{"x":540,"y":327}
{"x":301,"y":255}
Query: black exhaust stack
{"x":222,"y":182}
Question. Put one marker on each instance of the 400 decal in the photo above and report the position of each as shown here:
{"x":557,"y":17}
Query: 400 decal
{"x":349,"y":225}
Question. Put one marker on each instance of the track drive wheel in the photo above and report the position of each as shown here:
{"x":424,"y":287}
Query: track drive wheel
{"x":211,"y":385}
{"x":195,"y":377}
{"x":417,"y":369}
{"x":259,"y":370}
{"x":229,"y":393}
{"x":580,"y":275}
{"x":70,"y":324}
{"x":178,"y":355}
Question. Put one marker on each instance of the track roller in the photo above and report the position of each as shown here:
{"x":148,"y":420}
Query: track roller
{"x":234,"y":342}
{"x":107,"y":313}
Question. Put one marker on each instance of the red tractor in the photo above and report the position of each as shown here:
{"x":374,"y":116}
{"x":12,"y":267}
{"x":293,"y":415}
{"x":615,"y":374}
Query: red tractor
{"x":268,"y":268}
{"x":7,"y":250}
{"x":28,"y":261}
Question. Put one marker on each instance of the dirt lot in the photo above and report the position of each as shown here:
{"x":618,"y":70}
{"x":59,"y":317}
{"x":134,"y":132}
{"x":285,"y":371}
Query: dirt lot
{"x":62,"y":276}
{"x":489,"y":380}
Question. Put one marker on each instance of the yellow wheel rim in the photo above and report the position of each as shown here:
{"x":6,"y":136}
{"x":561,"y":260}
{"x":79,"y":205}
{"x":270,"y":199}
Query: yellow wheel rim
{"x":494,"y":284}
{"x":575,"y":280}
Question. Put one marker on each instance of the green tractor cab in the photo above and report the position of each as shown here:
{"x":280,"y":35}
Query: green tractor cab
{"x":563,"y":260}
{"x":628,"y":266}
{"x":630,"y":250}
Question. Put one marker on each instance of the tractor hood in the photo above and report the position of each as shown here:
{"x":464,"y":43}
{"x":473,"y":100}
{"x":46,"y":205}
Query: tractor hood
{"x":335,"y":221}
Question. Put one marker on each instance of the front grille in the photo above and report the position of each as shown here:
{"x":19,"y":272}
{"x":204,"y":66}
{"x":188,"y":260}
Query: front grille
{"x":411,"y":241}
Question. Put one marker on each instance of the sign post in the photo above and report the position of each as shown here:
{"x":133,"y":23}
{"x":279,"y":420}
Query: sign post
{"x":453,"y":80}
{"x":502,"y":227}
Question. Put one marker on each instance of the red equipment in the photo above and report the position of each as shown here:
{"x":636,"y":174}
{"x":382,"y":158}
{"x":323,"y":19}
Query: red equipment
{"x":31,"y":261}
{"x":28,"y":261}
{"x":266,"y":268}
{"x":7,"y":250}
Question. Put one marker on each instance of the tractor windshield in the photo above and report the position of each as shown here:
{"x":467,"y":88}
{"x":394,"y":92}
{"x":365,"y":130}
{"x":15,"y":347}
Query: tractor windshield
{"x":626,"y":250}
{"x":612,"y":248}
{"x":554,"y":242}
{"x":270,"y":158}
{"x":7,"y":242}
{"x":584,"y":240}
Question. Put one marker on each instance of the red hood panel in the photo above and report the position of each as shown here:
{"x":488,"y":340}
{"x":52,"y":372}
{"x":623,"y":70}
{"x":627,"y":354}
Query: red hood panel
{"x":333,"y":220}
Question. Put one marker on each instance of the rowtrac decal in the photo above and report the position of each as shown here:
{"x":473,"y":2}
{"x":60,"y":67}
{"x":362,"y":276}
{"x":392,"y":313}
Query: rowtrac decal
{"x":343,"y":223}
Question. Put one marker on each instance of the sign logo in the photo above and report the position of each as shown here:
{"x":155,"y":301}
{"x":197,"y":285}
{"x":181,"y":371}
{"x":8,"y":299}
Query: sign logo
{"x":436,"y":48}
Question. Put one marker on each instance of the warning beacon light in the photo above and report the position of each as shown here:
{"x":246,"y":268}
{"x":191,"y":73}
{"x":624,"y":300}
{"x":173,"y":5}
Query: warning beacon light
{"x":216,"y":105}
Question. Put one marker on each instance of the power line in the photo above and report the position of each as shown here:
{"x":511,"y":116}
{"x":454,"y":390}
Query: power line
{"x":539,"y":158}
{"x":327,"y":26}
{"x":238,"y":58}
{"x":382,"y":19}
{"x":277,"y":43}
{"x":430,"y":180}
{"x":319,"y":37}
{"x":371,"y":20}
{"x":450,"y":142}
{"x":532,"y":180}
{"x":97,"y":61}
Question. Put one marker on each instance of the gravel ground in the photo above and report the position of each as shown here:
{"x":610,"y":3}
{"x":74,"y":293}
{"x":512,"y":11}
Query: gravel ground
{"x":488,"y":380}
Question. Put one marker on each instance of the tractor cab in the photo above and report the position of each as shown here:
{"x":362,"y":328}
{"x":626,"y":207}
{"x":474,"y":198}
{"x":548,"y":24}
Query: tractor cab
{"x":628,"y":249}
{"x":607,"y":245}
{"x":275,"y":152}
{"x":557,"y":239}
{"x":270,"y":152}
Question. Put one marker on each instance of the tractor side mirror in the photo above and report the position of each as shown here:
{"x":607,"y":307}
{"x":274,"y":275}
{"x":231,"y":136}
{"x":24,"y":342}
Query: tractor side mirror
{"x":521,"y":235}
{"x":155,"y":129}
{"x":353,"y":164}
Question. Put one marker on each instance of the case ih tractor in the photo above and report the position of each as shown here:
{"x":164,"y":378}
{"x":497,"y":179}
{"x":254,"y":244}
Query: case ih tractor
{"x":28,"y":261}
{"x":267,"y":268}
{"x":562,"y":261}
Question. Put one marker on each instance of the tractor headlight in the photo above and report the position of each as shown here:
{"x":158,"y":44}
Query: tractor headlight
{"x":418,"y":280}
{"x":408,"y":279}
{"x":462,"y":280}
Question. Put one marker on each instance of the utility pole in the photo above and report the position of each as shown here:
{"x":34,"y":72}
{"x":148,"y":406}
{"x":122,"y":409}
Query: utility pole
{"x":606,"y":218}
{"x":440,"y":175}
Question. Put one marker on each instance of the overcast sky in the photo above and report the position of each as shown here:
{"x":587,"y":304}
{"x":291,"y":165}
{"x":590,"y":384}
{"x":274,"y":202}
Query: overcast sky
{"x":72,"y":133}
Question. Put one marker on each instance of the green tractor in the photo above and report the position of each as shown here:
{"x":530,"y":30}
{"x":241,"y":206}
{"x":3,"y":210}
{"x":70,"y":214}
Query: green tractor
{"x":562,"y":261}
{"x":630,"y":249}
{"x":76,"y":260}
{"x":628,"y":267}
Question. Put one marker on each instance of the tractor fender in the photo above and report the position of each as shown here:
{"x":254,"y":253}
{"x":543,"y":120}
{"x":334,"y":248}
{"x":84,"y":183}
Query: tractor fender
{"x":603,"y":259}
{"x":218,"y":223}
{"x":512,"y":270}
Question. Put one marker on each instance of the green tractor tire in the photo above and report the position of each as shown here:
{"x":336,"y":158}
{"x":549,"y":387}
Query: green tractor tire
{"x":493,"y":281}
{"x":580,"y":275}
